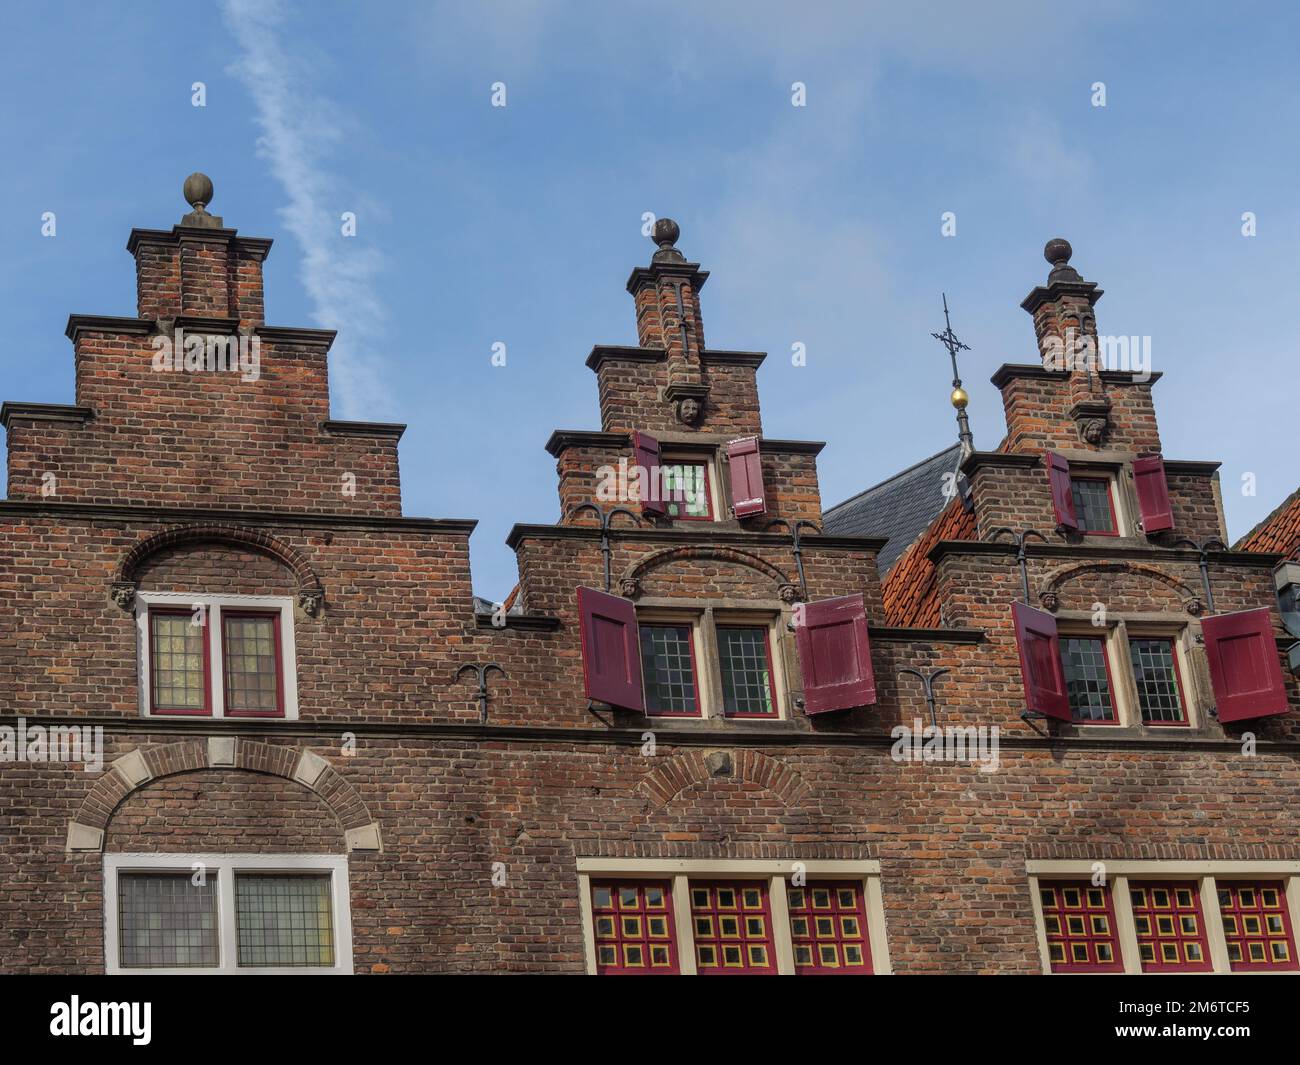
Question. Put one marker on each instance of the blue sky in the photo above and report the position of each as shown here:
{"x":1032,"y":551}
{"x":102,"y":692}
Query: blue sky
{"x":820,"y":224}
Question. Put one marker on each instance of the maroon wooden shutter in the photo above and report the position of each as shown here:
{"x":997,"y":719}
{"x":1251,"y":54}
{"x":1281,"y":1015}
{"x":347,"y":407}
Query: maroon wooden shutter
{"x":1040,"y":661}
{"x":611,"y":653}
{"x":1244,"y":666}
{"x":1153,"y":494}
{"x":747,"y":495}
{"x":1058,"y":475}
{"x":835,"y":655}
{"x":645,"y":452}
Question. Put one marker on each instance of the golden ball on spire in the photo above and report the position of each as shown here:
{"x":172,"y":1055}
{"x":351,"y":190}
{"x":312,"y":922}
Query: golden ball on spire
{"x":959,"y":398}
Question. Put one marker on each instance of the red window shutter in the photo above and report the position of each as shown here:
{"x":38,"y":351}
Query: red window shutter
{"x":611,"y":654}
{"x":1153,"y":494}
{"x":646,"y":454}
{"x":835,"y":655}
{"x":1058,"y":475}
{"x":1040,"y":661}
{"x":1244,"y":665}
{"x":747,"y":495}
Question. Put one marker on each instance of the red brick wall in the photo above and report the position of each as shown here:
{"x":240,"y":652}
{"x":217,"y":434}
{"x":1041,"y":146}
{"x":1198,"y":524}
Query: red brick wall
{"x":952,"y":841}
{"x":1038,"y":416}
{"x":632,"y":396}
{"x":203,"y":438}
{"x":546,"y":781}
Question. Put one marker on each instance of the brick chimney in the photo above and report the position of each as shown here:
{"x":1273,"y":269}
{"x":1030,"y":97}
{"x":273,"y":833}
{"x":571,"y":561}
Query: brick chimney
{"x":1066,"y":327}
{"x":199,"y":268}
{"x":668,"y":313}
{"x":1069,"y":400}
{"x":670,"y":383}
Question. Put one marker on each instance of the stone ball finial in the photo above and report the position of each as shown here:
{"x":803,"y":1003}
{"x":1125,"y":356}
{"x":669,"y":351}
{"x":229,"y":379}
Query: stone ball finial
{"x":665,"y":232}
{"x":198,"y":190}
{"x":1057,"y":251}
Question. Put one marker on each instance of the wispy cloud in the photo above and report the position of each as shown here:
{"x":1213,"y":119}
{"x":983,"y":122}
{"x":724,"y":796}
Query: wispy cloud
{"x":300,"y":130}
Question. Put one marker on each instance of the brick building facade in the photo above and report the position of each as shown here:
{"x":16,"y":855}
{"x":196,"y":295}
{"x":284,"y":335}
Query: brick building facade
{"x":688,"y":759}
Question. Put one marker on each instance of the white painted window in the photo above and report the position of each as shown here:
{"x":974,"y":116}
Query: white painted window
{"x":743,"y":917}
{"x":206,"y":656}
{"x":226,"y":913}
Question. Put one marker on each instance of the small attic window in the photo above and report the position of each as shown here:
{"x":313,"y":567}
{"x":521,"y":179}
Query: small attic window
{"x":688,"y":494}
{"x":1094,"y":505}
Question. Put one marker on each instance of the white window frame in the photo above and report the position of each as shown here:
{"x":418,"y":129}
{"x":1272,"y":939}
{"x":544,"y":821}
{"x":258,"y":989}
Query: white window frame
{"x":1204,"y":873}
{"x":213,"y":605}
{"x":680,"y":871}
{"x":225,"y":867}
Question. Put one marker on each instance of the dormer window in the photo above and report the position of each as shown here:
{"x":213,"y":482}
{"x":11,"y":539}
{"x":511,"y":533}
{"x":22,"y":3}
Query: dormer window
{"x":216,"y":656}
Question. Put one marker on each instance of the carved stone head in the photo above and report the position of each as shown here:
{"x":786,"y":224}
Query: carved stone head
{"x":689,"y":410}
{"x":1093,"y":430}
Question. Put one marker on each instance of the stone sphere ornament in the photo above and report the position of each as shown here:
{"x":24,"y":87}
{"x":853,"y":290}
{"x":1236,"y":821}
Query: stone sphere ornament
{"x":198,"y":190}
{"x":1057,"y":251}
{"x":666,"y":232}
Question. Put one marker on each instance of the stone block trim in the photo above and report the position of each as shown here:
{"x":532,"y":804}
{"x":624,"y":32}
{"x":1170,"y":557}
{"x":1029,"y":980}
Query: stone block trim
{"x":663,"y":784}
{"x":137,"y":768}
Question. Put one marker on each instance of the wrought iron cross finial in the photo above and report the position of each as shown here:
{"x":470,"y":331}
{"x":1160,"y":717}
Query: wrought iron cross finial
{"x":959,"y":397}
{"x":949,"y":340}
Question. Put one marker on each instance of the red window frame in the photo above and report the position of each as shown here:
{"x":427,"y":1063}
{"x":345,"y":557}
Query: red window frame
{"x":184,"y":711}
{"x":713,"y":911}
{"x":1060,"y":933}
{"x":1110,"y":681}
{"x":1186,"y":722}
{"x":695,"y":670}
{"x":1110,"y":504}
{"x":1153,"y":933}
{"x":703,"y":464}
{"x":244,"y":612}
{"x":807,"y":934}
{"x":1235,"y":911}
{"x":771,"y":673}
{"x":617,"y":937}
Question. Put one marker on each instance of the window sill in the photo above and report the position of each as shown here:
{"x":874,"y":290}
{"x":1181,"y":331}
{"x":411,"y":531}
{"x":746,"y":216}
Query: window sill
{"x":725,"y":724}
{"x":1145,"y":732}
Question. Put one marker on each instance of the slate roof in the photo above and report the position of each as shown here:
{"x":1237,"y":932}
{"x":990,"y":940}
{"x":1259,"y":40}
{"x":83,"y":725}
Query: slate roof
{"x":1279,"y":532}
{"x":900,"y":508}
